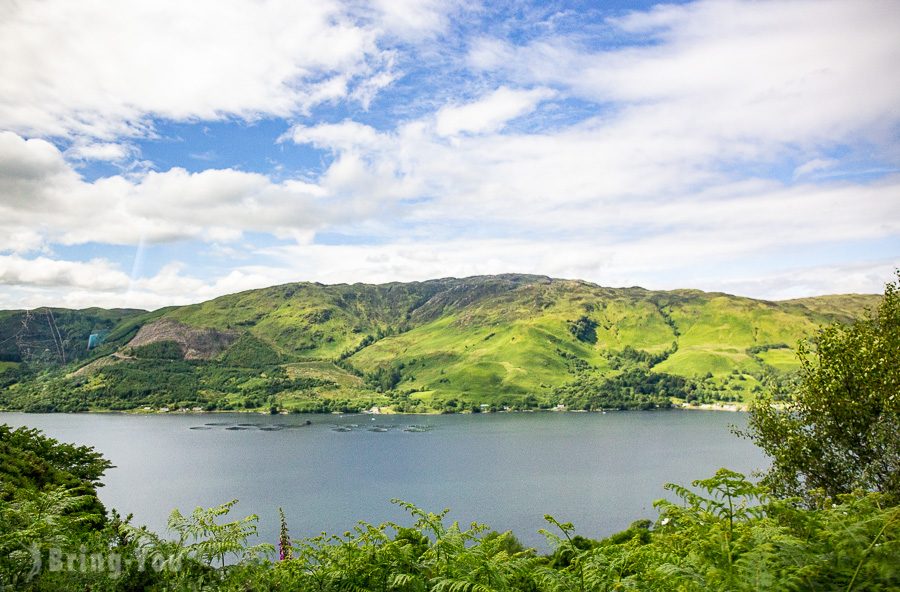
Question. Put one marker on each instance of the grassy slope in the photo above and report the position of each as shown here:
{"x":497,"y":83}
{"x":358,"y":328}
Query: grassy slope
{"x":717,"y":330}
{"x":511,"y":345}
{"x":309,"y":321}
{"x":494,"y":337}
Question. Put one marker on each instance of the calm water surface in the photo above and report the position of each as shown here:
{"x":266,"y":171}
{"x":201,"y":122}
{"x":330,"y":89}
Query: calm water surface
{"x":600,"y":471}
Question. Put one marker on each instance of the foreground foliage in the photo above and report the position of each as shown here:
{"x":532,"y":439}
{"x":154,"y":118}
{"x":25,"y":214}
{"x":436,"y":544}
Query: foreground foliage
{"x":723,"y":533}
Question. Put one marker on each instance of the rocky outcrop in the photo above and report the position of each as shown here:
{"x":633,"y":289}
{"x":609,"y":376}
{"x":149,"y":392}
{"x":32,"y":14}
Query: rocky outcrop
{"x":197,"y":343}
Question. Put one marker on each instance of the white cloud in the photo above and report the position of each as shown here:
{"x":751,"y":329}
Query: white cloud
{"x":366,"y":91}
{"x":346,"y":135}
{"x":96,"y":274}
{"x":748,"y":78}
{"x":865,"y":277}
{"x":413,"y":19}
{"x":102,"y":151}
{"x":85,"y":284}
{"x":28,"y":159}
{"x":43,"y":200}
{"x":44,"y":281}
{"x":86,"y":68}
{"x":726,"y":91}
{"x":489,"y":113}
{"x":611,"y":186}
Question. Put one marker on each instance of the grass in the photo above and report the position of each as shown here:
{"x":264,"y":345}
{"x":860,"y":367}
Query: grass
{"x":325,"y":371}
{"x":697,"y":362}
{"x":784,"y":360}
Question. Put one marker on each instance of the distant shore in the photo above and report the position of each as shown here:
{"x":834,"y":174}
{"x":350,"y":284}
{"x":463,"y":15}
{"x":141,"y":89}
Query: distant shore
{"x":729,"y":407}
{"x":733,"y":407}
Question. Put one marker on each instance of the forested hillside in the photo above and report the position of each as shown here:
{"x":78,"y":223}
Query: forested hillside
{"x":479,"y":343}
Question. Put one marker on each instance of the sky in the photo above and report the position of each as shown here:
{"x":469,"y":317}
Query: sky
{"x":166,"y":152}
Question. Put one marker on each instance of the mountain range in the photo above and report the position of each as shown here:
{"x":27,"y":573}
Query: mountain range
{"x":470,"y":344}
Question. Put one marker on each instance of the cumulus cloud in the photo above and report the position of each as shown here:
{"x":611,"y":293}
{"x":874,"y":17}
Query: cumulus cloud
{"x":579,"y":182}
{"x":347,"y":135}
{"x":102,"y":151}
{"x":42,"y":281}
{"x":85,"y":68}
{"x":40,"y":192}
{"x":98,"y":274}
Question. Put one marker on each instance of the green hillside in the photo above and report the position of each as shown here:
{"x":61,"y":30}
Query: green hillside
{"x":450,"y":345}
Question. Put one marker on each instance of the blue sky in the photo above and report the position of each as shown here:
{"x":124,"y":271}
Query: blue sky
{"x":168,"y":152}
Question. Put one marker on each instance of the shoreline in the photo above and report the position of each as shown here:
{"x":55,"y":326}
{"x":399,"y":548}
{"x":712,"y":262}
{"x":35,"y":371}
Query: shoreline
{"x":721,"y":407}
{"x":729,"y":407}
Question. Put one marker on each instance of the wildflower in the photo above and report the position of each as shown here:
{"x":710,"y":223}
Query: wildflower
{"x":284,"y":540}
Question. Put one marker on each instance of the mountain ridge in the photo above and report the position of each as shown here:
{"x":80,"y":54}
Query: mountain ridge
{"x":506,"y":340}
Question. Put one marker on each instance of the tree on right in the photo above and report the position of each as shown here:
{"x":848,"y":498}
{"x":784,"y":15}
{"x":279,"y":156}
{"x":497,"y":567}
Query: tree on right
{"x":840,"y":431}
